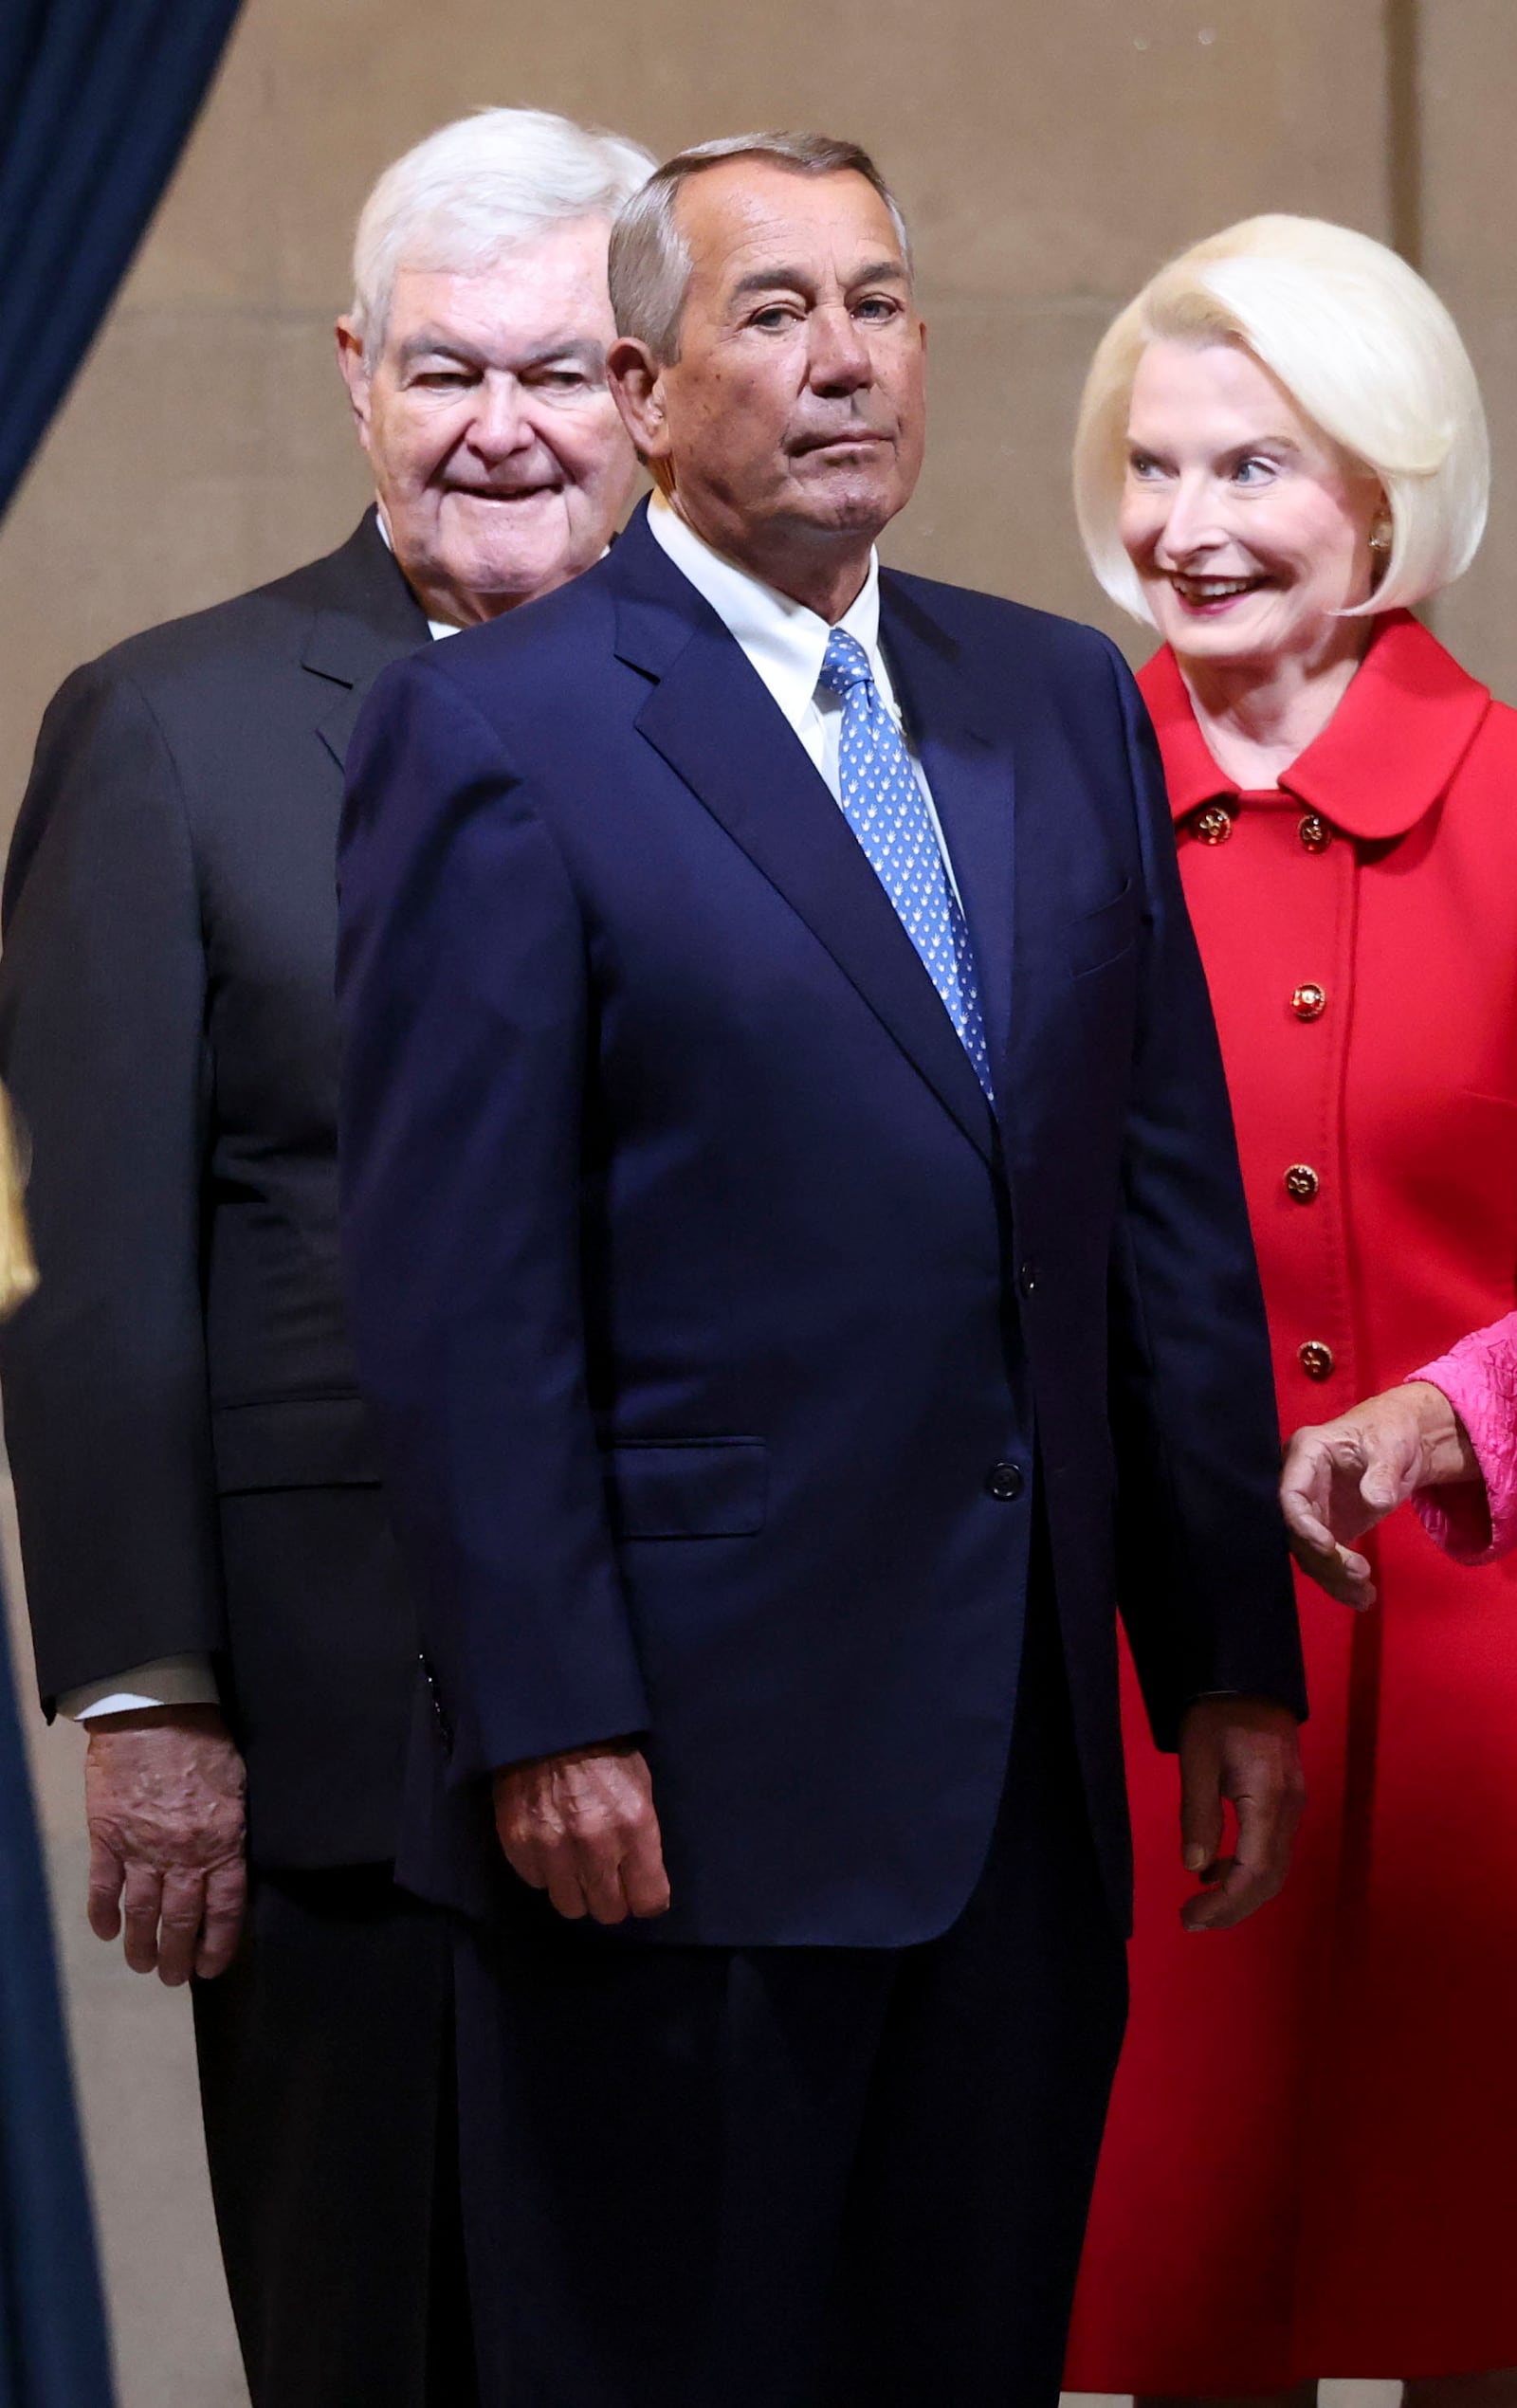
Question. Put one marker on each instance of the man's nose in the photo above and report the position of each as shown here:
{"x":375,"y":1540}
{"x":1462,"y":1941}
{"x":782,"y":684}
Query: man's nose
{"x":502,"y":422}
{"x":839,"y":354}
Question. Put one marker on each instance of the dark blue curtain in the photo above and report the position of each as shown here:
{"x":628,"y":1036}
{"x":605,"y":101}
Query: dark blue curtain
{"x":96,"y":100}
{"x":52,"y":2328}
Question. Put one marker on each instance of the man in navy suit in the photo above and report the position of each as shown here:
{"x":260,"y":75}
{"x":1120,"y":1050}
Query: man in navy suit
{"x":800,"y":1267}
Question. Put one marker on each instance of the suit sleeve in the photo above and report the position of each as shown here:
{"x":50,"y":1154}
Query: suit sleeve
{"x":102,"y":994}
{"x":465,"y":1007}
{"x":1203,"y":1572}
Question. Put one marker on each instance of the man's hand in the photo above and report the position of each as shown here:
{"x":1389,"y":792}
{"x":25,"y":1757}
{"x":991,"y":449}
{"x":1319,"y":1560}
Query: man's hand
{"x":1342,"y":1477}
{"x":583,"y":1827}
{"x":1245,"y":1750}
{"x":163,"y":1795}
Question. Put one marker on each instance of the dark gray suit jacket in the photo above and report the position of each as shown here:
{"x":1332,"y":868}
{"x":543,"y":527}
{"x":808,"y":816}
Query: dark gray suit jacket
{"x":193,"y":1466}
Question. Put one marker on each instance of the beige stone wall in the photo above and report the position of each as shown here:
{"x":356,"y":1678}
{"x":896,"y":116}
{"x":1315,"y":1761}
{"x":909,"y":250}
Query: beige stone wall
{"x":1050,"y":155}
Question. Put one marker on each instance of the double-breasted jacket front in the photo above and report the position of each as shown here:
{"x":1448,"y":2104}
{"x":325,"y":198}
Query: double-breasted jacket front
{"x":1308,"y":2170}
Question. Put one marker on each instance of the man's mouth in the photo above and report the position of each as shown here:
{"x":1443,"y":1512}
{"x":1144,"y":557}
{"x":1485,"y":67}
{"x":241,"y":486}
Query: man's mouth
{"x":502,"y":493}
{"x":847,"y":439}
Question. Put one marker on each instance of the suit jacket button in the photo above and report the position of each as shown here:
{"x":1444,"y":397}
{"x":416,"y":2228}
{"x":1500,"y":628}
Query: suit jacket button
{"x":1027,"y":1278}
{"x":1005,"y":1482}
{"x":1316,"y":1360}
{"x":1301,"y":1182}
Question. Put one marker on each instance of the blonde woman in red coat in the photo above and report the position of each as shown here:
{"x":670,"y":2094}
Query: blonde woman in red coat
{"x":1312,"y":2164}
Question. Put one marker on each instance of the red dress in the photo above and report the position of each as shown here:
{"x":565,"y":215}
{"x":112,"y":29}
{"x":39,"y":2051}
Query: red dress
{"x":1311,"y":2164}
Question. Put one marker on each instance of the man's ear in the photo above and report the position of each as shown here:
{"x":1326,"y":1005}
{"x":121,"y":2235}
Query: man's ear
{"x":636,"y":382}
{"x":355,"y":370}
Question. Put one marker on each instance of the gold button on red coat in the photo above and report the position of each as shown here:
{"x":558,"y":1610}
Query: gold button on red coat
{"x":1301,"y":1182}
{"x":1309,"y":1001}
{"x":1314,"y":832}
{"x":1317,"y":1359}
{"x":1214,"y":826}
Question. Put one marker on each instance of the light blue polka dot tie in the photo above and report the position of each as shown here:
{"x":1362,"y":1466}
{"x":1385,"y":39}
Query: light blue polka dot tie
{"x":886,"y":808}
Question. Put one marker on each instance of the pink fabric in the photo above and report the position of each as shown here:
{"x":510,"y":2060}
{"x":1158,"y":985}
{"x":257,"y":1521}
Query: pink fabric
{"x":1479,"y":1377}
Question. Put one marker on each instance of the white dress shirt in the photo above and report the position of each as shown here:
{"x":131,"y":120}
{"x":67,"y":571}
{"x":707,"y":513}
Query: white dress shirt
{"x":786,"y":644}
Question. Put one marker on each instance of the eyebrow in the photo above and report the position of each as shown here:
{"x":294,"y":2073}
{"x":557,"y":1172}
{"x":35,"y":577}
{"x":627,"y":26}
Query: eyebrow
{"x":1232,"y":451}
{"x":764,"y":280}
{"x":432,"y":343}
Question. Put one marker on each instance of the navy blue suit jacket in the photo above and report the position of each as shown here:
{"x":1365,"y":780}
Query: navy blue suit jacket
{"x":708,"y":1308}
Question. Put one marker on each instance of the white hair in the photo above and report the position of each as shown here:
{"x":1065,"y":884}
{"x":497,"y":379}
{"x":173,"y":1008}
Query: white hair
{"x":1365,"y":349}
{"x":477,"y":187}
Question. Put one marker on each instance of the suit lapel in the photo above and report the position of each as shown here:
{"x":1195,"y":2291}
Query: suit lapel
{"x":971,"y":784}
{"x":375,"y":619}
{"x":712,"y":718}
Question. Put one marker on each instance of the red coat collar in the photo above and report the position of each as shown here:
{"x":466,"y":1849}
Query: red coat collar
{"x":1385,"y":756}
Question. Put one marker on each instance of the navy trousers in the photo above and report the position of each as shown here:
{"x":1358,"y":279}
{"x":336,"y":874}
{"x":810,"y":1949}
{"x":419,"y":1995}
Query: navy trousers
{"x":798,"y":2178}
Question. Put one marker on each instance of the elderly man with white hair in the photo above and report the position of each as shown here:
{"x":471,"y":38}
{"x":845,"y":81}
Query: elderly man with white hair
{"x":212,"y":1582}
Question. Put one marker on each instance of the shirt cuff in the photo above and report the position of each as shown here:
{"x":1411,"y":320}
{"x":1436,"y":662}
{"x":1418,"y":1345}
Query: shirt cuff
{"x":170,"y":1680}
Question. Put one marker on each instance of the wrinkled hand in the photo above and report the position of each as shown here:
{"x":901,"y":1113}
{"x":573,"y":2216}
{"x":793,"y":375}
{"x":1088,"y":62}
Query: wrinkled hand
{"x":1342,"y":1477}
{"x":163,"y":1796}
{"x":1246,"y":1751}
{"x":583,"y":1827}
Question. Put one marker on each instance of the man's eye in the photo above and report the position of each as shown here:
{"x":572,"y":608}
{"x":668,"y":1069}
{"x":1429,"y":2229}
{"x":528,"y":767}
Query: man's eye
{"x":878,"y":306}
{"x":441,"y":379}
{"x":564,"y":380}
{"x":770,"y":320}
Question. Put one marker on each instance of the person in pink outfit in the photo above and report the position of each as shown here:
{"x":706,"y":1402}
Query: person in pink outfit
{"x":1445,"y":1441}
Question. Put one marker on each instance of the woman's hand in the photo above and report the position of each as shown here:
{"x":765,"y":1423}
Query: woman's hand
{"x":1342,"y":1477}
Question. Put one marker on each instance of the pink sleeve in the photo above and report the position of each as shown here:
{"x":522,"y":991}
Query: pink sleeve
{"x":1479,"y":1377}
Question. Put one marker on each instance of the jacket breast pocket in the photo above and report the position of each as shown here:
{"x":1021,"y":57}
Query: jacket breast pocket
{"x":1101,"y":937}
{"x":688,"y":1488}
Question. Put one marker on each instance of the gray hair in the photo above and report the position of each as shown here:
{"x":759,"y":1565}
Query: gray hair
{"x":651,"y":258}
{"x":476,"y":188}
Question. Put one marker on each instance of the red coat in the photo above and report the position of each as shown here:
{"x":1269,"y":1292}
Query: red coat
{"x":1311,"y":2164}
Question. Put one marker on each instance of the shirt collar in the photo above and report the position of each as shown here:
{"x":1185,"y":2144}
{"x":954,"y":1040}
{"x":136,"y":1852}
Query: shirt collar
{"x":785,"y":642}
{"x":1384,"y":758}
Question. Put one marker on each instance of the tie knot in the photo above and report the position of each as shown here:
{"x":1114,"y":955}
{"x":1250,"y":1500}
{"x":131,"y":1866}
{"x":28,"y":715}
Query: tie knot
{"x":845,"y":664}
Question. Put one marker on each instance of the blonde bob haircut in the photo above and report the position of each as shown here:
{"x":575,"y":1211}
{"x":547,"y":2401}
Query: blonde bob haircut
{"x":1365,"y":349}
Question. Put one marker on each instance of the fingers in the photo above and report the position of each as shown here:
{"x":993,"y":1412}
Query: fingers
{"x":144,"y":1904}
{"x":600,"y":1880}
{"x":104,"y":1906}
{"x":644,"y":1877}
{"x":1269,"y":1811}
{"x":607,"y":1871}
{"x":1305,"y":1488}
{"x":176,"y":1923}
{"x":1340,"y":1571}
{"x":181,"y":1911}
{"x":225,"y":1903}
{"x":1200,"y":1802}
